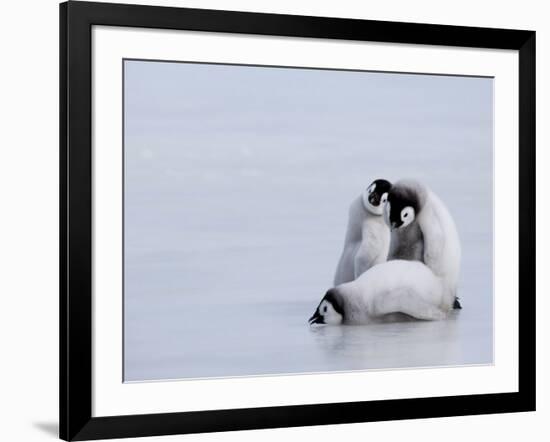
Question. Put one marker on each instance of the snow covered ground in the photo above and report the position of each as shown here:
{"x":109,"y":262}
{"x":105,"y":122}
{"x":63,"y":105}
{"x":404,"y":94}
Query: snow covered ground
{"x":237,"y":184}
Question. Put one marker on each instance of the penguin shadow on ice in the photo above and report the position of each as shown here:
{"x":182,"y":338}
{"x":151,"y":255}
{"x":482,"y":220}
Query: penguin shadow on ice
{"x":415,"y":269}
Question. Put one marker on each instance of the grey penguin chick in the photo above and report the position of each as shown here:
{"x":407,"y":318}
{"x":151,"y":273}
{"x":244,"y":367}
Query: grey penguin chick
{"x":406,"y":238}
{"x":422,"y":229}
{"x":367,"y":235}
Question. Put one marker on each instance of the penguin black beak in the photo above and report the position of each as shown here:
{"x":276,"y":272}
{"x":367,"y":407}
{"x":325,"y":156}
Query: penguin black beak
{"x":316,"y":319}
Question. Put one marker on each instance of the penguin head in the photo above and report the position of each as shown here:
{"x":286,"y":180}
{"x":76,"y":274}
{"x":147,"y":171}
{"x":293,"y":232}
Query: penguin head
{"x":402,"y":207}
{"x":375,"y":196}
{"x":330,"y":310}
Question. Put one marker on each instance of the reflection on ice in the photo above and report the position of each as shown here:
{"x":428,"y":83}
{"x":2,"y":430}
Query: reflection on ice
{"x":274,"y":338}
{"x":397,"y":343}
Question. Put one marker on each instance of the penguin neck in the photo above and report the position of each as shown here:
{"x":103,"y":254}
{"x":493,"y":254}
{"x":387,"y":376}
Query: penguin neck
{"x":369,"y":209}
{"x":350,"y":296}
{"x":413,"y":229}
{"x":407,"y":243}
{"x":337,"y":301}
{"x":374,"y":211}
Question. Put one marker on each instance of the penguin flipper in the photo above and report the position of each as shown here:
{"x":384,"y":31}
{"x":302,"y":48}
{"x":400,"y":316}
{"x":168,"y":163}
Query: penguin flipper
{"x":434,"y":239}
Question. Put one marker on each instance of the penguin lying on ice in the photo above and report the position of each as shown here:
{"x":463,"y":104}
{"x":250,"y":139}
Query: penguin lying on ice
{"x":407,"y":287}
{"x":367,"y":235}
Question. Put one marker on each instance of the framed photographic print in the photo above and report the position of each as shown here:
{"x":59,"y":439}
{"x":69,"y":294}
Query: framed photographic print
{"x":272,"y":220}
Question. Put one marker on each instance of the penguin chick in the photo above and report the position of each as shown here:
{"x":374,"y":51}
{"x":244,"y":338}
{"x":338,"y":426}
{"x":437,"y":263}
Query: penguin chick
{"x":422,"y":229}
{"x":399,"y":286}
{"x":367,"y":236}
{"x":406,"y":239}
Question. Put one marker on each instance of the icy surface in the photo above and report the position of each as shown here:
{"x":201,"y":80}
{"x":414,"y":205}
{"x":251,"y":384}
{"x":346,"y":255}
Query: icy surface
{"x":237,"y":186}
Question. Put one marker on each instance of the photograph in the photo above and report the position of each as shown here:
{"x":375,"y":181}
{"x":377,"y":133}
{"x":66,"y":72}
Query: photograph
{"x":282,"y":220}
{"x":275,"y":221}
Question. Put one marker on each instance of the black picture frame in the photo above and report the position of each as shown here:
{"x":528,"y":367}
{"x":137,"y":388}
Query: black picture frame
{"x":76,"y":21}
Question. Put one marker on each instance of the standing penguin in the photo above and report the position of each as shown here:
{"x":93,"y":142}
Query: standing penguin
{"x":367,"y":236}
{"x":422,"y":229}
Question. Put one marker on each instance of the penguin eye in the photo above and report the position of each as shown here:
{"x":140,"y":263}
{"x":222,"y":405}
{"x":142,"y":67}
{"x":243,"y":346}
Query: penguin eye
{"x":407,"y":215}
{"x":325,"y":309}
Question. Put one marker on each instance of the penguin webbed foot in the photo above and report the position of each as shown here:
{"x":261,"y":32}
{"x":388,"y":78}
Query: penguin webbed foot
{"x":456,"y":304}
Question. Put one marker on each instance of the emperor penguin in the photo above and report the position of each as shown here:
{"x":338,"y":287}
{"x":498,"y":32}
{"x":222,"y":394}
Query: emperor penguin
{"x":393,"y":287}
{"x":422,"y":229}
{"x":367,"y":237}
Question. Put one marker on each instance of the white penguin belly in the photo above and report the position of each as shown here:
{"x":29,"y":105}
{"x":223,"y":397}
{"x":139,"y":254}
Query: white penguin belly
{"x":374,"y":245}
